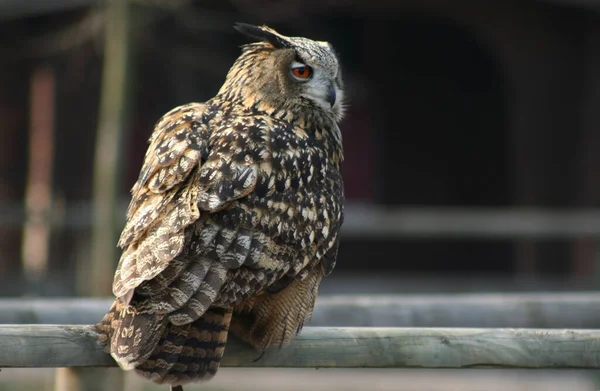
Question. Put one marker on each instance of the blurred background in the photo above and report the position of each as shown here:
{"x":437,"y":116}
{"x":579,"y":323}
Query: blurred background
{"x":471,"y":140}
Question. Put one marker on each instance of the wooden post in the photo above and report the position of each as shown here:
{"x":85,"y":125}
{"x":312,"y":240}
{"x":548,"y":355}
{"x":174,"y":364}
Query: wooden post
{"x":38,"y":194}
{"x":88,"y":379}
{"x":95,"y":274}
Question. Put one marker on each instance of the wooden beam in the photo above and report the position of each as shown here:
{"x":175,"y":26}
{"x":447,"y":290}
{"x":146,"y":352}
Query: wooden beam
{"x":373,"y":222}
{"x":94,"y":276}
{"x":34,"y":346}
{"x":366,"y":221}
{"x":38,"y":193}
{"x":96,"y":273}
{"x":538,"y":310}
{"x":88,"y":379}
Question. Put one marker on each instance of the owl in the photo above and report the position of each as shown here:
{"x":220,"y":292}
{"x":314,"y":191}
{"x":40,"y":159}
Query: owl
{"x":235,"y":216}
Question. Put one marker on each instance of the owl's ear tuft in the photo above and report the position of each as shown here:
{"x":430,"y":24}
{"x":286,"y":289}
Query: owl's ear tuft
{"x":263,"y":33}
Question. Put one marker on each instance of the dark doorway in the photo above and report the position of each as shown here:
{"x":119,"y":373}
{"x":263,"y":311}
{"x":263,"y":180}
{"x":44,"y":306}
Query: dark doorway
{"x":441,"y":141}
{"x":443,"y":138}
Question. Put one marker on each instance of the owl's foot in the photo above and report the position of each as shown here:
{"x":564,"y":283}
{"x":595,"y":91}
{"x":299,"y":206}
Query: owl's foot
{"x":262,"y":353}
{"x":176,"y":388}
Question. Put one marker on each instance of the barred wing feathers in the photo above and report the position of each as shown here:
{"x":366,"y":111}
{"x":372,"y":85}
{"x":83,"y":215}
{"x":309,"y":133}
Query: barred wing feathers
{"x":163,"y":201}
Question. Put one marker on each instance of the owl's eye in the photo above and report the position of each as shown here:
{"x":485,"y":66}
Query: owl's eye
{"x":302,"y":72}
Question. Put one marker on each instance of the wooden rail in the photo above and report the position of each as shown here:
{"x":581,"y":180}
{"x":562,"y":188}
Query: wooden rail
{"x":538,"y":310}
{"x":372,"y":221}
{"x":28,"y":346}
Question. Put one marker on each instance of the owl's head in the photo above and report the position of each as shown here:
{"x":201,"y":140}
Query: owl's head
{"x":296,"y":70}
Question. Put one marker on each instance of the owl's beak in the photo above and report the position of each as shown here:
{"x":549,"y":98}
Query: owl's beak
{"x":331,"y":95}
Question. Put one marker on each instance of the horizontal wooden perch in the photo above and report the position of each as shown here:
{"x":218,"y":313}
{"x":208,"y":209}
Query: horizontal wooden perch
{"x":76,"y":346}
{"x":574,"y":310}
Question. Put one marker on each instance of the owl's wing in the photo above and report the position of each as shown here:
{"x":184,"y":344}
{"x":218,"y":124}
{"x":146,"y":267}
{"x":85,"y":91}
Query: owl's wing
{"x":163,"y":204}
{"x":329,"y":259}
{"x":189,"y":169}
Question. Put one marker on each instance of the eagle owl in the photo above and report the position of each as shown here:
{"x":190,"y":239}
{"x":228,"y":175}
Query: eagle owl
{"x":235,"y":216}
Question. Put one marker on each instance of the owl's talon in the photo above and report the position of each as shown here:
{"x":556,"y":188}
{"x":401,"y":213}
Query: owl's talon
{"x":176,"y":388}
{"x":259,"y":357}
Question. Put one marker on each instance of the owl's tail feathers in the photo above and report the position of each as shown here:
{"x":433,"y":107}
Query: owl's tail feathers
{"x":131,"y":333}
{"x":189,"y":353}
{"x":162,"y":351}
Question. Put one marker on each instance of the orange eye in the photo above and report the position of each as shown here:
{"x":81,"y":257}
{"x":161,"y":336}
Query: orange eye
{"x":302,"y":72}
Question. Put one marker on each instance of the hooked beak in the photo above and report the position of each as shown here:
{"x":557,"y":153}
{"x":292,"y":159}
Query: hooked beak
{"x":331,"y":95}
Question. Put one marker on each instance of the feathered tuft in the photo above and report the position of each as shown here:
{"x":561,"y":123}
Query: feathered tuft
{"x":263,"y":33}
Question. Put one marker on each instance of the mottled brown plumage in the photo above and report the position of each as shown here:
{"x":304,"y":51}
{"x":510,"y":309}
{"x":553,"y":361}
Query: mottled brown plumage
{"x":235,"y":216}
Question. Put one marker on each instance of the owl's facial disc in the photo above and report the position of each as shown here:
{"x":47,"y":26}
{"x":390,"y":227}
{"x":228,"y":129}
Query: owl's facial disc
{"x":311,"y":66}
{"x":317,"y":84}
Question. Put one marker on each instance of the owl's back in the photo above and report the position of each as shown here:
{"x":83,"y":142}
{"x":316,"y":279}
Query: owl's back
{"x":266,"y":200}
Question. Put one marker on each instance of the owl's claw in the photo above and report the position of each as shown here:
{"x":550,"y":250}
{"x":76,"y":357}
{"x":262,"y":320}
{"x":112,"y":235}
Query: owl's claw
{"x":176,"y":388}
{"x":262,"y":353}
